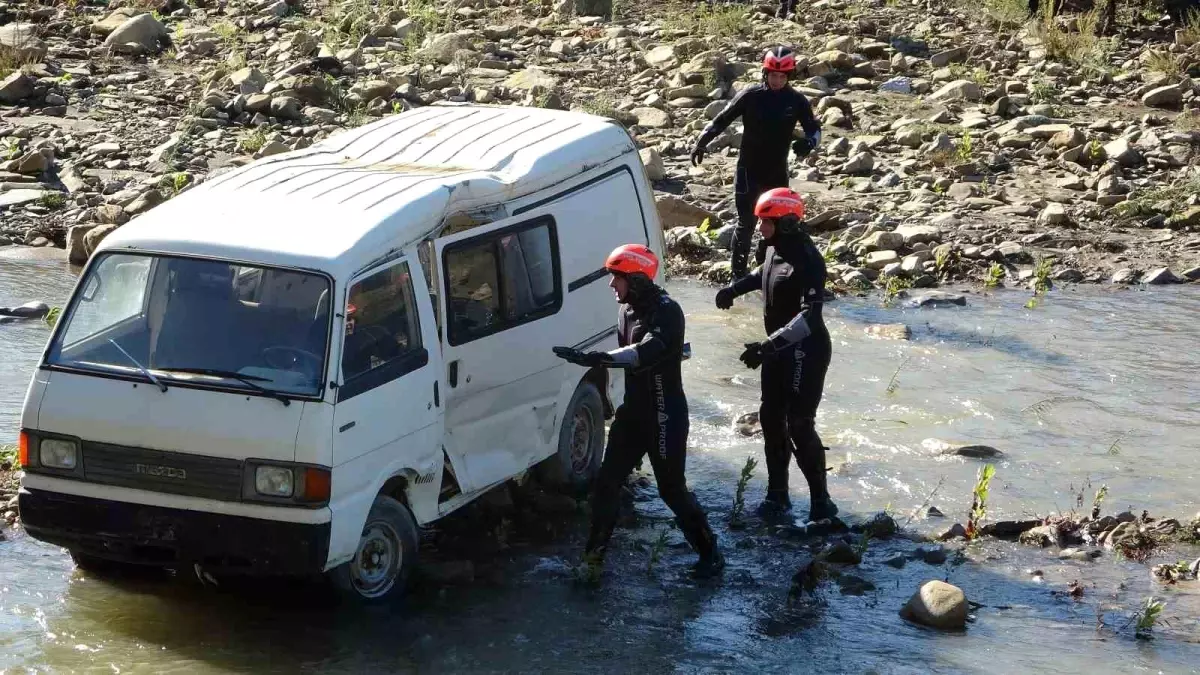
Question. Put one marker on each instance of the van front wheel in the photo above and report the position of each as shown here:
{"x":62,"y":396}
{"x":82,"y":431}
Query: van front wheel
{"x":580,"y":443}
{"x":386,"y":554}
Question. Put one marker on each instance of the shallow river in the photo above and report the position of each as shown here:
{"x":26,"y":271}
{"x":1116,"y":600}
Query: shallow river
{"x":1095,"y":386}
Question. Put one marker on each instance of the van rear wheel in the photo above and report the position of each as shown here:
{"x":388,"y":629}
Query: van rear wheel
{"x":580,"y":443}
{"x":386,"y":554}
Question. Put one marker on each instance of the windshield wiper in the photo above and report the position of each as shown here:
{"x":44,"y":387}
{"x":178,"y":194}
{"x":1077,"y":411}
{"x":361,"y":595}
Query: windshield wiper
{"x":149,"y":375}
{"x":248,"y":380}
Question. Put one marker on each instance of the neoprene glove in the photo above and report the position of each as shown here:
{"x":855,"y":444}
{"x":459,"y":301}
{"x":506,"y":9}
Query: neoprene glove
{"x":697,"y":155}
{"x":802,"y":146}
{"x":753,"y":355}
{"x":587,"y":359}
{"x":725,"y":297}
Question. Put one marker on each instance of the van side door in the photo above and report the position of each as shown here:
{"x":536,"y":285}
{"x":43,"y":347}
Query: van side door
{"x":502,"y":292}
{"x":387,"y":416}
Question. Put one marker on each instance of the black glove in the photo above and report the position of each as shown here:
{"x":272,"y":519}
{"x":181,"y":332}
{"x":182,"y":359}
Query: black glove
{"x":802,"y":146}
{"x":753,"y":355}
{"x":725,"y":297}
{"x":587,"y":359}
{"x":697,"y":155}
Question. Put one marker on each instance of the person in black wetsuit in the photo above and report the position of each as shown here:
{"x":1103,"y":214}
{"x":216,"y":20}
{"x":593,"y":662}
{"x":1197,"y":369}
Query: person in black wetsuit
{"x":654,"y":415}
{"x":769,"y":111}
{"x":795,"y":355}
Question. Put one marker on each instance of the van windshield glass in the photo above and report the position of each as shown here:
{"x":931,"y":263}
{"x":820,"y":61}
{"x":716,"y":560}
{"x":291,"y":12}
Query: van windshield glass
{"x":204,"y":322}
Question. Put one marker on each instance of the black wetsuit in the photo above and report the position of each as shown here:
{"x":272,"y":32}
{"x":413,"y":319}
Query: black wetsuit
{"x":769,"y":120}
{"x":792,"y":279}
{"x":653,"y":418}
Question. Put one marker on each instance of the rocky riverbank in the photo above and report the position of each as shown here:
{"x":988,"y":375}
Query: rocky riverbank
{"x":960,"y":143}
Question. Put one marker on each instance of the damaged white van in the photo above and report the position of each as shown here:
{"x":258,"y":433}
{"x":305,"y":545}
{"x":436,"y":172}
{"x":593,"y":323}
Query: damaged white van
{"x":293,"y":366}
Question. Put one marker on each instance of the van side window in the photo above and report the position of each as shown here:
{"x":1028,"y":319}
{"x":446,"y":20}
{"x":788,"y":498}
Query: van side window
{"x":502,"y":279}
{"x":382,"y":331}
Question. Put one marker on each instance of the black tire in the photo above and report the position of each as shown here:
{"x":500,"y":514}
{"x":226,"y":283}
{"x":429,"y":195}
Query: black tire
{"x":573,"y":468}
{"x":391,"y":533}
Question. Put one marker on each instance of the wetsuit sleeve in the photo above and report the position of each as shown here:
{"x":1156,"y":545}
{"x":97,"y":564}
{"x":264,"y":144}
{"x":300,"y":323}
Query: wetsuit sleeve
{"x":804,"y":257}
{"x":624,"y":357}
{"x":750,"y":282}
{"x":808,"y":121}
{"x":726,"y":117}
{"x":666,"y":329}
{"x":794,"y":331}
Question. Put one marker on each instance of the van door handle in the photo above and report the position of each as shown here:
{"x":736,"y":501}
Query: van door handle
{"x":436,"y":398}
{"x":453,"y":375}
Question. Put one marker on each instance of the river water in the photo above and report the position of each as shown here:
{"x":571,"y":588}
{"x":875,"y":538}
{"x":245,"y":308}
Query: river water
{"x":1094,"y":386}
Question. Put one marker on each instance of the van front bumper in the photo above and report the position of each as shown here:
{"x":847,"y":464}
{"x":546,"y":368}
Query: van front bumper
{"x":166,"y":537}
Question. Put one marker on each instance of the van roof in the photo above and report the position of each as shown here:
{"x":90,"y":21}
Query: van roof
{"x":353,"y":197}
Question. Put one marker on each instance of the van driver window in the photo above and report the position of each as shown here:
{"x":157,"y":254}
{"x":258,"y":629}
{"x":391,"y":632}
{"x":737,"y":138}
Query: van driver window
{"x":381,"y":321}
{"x":501,"y":280}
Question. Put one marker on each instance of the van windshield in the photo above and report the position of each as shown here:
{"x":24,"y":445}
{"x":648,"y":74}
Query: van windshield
{"x":201,"y":322}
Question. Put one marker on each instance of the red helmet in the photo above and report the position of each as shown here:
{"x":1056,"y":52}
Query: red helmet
{"x":632,"y":259}
{"x":778,"y":203}
{"x":780,"y":60}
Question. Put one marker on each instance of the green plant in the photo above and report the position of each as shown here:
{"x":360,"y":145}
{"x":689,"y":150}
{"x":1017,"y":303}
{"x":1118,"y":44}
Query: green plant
{"x":176,"y":182}
{"x":1115,"y":448}
{"x":1041,"y":91}
{"x":893,"y":287}
{"x":894,"y":382}
{"x":716,"y":21}
{"x":1098,"y":500}
{"x":1146,"y":618}
{"x":963,"y":152}
{"x":657,"y":550}
{"x":226,"y":30}
{"x":52,"y":316}
{"x":590,"y":568}
{"x":52,"y":200}
{"x":1004,"y":13}
{"x":397,"y":107}
{"x":995,"y":276}
{"x":828,"y":254}
{"x":254,"y":141}
{"x":1163,"y":62}
{"x":979,"y":500}
{"x":739,"y":496}
{"x":10,"y":457}
{"x":1041,"y":282}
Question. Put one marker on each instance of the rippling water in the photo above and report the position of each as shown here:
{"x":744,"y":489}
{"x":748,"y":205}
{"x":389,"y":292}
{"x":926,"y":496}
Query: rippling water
{"x":1095,"y":386}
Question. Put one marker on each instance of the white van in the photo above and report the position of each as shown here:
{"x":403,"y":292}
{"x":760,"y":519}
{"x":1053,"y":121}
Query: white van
{"x":291,"y":367}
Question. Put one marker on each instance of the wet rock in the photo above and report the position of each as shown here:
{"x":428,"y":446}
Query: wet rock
{"x":841,"y":553}
{"x":853,"y":585}
{"x":936,"y":299}
{"x":1008,"y":529}
{"x":1043,"y":536}
{"x":1162,"y":275}
{"x":748,"y":424}
{"x":687,"y":240}
{"x":1078,"y":554}
{"x":891,"y":331}
{"x":15,"y":88}
{"x":955,"y":531}
{"x":880,"y":526}
{"x":939,"y":605}
{"x":29,"y":310}
{"x":1069,"y":275}
{"x":897,"y":561}
{"x":972,"y":451}
{"x":1192,"y":274}
{"x":931,"y":555}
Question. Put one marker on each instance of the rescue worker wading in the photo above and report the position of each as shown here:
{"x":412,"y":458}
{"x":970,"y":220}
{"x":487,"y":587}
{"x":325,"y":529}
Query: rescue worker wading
{"x":769,"y":111}
{"x":654,"y":415}
{"x":795,"y":355}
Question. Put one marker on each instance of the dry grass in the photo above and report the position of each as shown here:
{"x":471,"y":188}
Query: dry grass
{"x":1163,"y":62}
{"x":721,"y":21}
{"x":1080,"y":48}
{"x":1004,"y":13}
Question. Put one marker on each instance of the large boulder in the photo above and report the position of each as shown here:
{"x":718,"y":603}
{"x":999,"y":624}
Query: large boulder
{"x":1163,"y":97}
{"x":530,"y":79}
{"x":15,"y":88}
{"x":938,"y":605}
{"x":652,"y":118}
{"x":442,"y":48}
{"x":674,"y":212}
{"x":957,"y":91}
{"x":77,"y":253}
{"x":19,"y":42}
{"x":143,"y":30}
{"x":92,"y":239}
{"x":115,"y":20}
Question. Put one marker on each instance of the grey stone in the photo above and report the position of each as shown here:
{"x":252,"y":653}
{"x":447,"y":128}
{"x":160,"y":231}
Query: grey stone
{"x":20,"y":41}
{"x":877,"y":260}
{"x":76,"y":251}
{"x":1124,"y":276}
{"x":655,"y":170}
{"x":248,"y":81}
{"x":652,"y":118}
{"x":958,"y":90}
{"x":15,"y":88}
{"x":143,"y":30}
{"x":1163,"y":97}
{"x":531,"y":78}
{"x":285,"y":107}
{"x":936,"y":299}
{"x":662,"y":57}
{"x":92,"y":239}
{"x":1162,"y":275}
{"x":919,"y":234}
{"x":1121,"y":152}
{"x":1053,"y":214}
{"x":939,"y":605}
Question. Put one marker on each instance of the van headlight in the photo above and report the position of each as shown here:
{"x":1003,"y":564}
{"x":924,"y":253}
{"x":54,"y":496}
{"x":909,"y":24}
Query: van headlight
{"x":58,"y":453}
{"x":274,"y":481}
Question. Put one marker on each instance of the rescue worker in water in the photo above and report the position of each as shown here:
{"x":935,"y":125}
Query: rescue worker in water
{"x":653,"y":417}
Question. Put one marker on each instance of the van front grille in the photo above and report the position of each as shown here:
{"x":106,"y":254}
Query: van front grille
{"x":159,"y":471}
